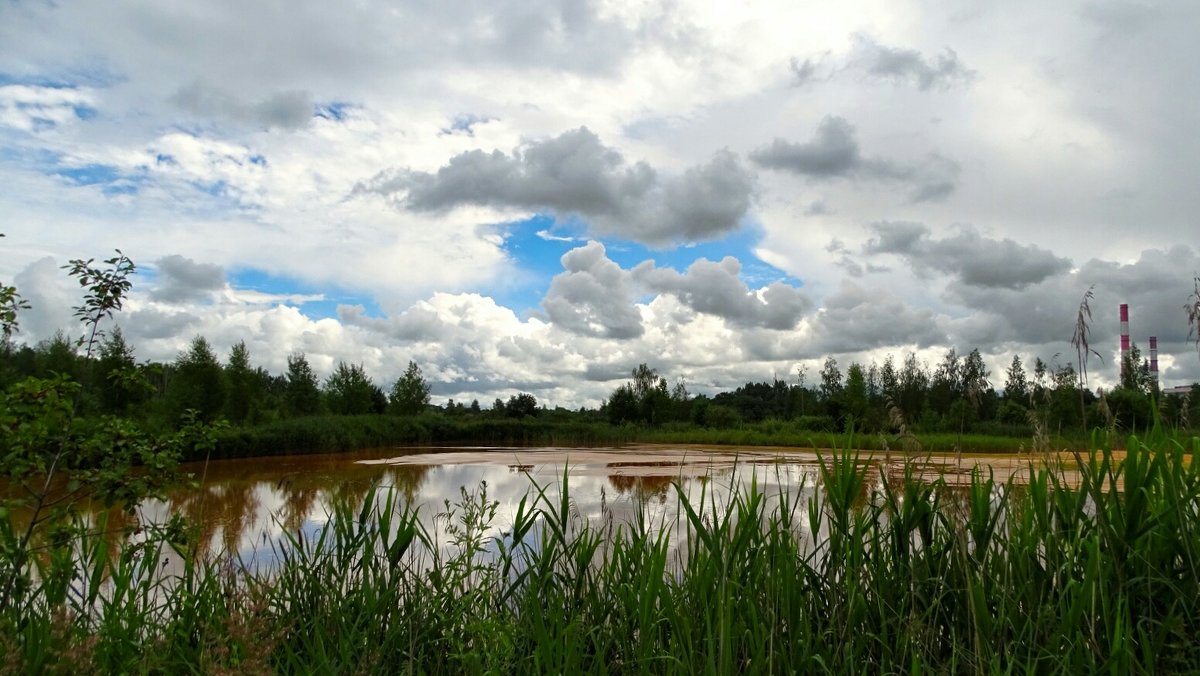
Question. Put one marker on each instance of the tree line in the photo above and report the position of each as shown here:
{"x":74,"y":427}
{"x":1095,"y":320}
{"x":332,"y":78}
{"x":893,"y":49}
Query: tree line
{"x":957,"y":394}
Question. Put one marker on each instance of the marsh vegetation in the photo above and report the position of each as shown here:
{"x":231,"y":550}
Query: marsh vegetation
{"x":877,"y":565}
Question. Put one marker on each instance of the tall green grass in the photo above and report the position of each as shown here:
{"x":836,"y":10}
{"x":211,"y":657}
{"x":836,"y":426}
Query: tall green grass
{"x":873,"y":573}
{"x":329,"y":434}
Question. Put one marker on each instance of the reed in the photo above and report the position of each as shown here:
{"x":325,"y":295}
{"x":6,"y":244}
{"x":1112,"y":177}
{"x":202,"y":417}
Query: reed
{"x":870,"y":573}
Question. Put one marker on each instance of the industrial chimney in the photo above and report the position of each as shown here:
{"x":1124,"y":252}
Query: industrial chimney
{"x":1154,"y":361}
{"x":1124,"y":337}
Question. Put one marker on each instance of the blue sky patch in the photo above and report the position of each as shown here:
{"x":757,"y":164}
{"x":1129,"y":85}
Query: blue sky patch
{"x":89,"y":174}
{"x":79,"y":77}
{"x":537,"y":244}
{"x":34,"y":81}
{"x":213,"y":188}
{"x":335,"y":111}
{"x":253,"y":279}
{"x":464,"y":124}
{"x":537,"y":257}
{"x":740,"y":244}
{"x":85,"y":112}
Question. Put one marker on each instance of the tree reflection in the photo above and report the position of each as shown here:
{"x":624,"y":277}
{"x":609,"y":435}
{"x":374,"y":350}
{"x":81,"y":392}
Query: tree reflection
{"x":231,"y":506}
{"x":642,"y":487}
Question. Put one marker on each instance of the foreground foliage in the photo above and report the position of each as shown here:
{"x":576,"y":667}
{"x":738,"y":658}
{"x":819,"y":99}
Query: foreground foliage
{"x":872,"y":573}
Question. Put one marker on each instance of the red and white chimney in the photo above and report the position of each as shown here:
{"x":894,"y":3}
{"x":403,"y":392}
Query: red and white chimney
{"x":1124,"y":335}
{"x":1154,"y":360}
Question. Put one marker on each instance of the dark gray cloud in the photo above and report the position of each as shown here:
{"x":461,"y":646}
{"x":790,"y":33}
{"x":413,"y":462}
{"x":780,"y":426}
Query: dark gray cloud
{"x":529,"y":351}
{"x":872,"y":60}
{"x":843,"y":259}
{"x":857,"y":318}
{"x":153,"y":324}
{"x":604,"y":372}
{"x":818,"y":208}
{"x":1119,"y":17}
{"x":414,"y":324}
{"x":285,"y":109}
{"x":903,"y":66}
{"x":714,"y":288}
{"x":972,"y":259}
{"x":805,"y":71}
{"x":575,"y":174}
{"x":593,"y":296}
{"x":182,"y":279}
{"x":50,"y":295}
{"x":1040,"y":319}
{"x":834,"y":152}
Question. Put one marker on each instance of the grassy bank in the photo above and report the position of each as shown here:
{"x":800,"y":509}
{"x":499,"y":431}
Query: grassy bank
{"x":329,"y":434}
{"x":774,"y":433}
{"x":909,"y":576}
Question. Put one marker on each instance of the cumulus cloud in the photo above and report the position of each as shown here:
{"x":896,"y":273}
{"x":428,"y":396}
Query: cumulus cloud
{"x":593,"y":296}
{"x":596,"y":297}
{"x":154,"y":323}
{"x":50,"y":295}
{"x":909,"y":67}
{"x":714,"y":288}
{"x":182,"y":279}
{"x":417,"y":323}
{"x":872,"y":60}
{"x":805,"y":71}
{"x":972,"y":259}
{"x":1038,"y":319}
{"x":834,"y":152}
{"x":285,"y":109}
{"x":856,"y":318}
{"x":575,"y":174}
{"x":33,"y":107}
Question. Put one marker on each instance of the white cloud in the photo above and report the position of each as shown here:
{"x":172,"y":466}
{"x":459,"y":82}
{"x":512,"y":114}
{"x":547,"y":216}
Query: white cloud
{"x":233,"y":136}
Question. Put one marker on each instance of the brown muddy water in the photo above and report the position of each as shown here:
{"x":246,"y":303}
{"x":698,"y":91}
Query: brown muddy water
{"x":242,"y":508}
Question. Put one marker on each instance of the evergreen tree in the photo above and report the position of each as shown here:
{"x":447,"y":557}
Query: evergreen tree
{"x":1018,"y":394}
{"x":889,"y":379}
{"x":854,"y":396}
{"x":302,"y":396}
{"x":197,"y":382}
{"x":1016,"y":384}
{"x":1135,"y":371}
{"x":243,"y":385}
{"x":914,"y":385}
{"x":57,"y":355}
{"x":119,"y":381}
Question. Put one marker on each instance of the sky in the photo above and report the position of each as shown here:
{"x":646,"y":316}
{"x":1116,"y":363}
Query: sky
{"x":538,"y":196}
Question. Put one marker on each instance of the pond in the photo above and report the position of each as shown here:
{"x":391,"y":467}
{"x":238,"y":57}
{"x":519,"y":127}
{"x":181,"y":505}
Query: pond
{"x":243,"y":507}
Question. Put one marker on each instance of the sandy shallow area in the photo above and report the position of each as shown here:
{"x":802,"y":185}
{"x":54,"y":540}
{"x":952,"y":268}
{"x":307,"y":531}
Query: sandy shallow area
{"x":667,"y":460}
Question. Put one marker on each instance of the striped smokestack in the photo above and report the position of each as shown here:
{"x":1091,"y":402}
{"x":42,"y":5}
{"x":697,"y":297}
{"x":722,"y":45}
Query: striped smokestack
{"x":1154,"y":360}
{"x":1124,"y":335}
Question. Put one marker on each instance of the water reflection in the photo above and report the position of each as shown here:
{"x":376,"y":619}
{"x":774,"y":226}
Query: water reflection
{"x":243,"y":508}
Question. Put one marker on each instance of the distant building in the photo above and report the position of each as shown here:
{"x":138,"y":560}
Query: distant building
{"x":1177,"y":391}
